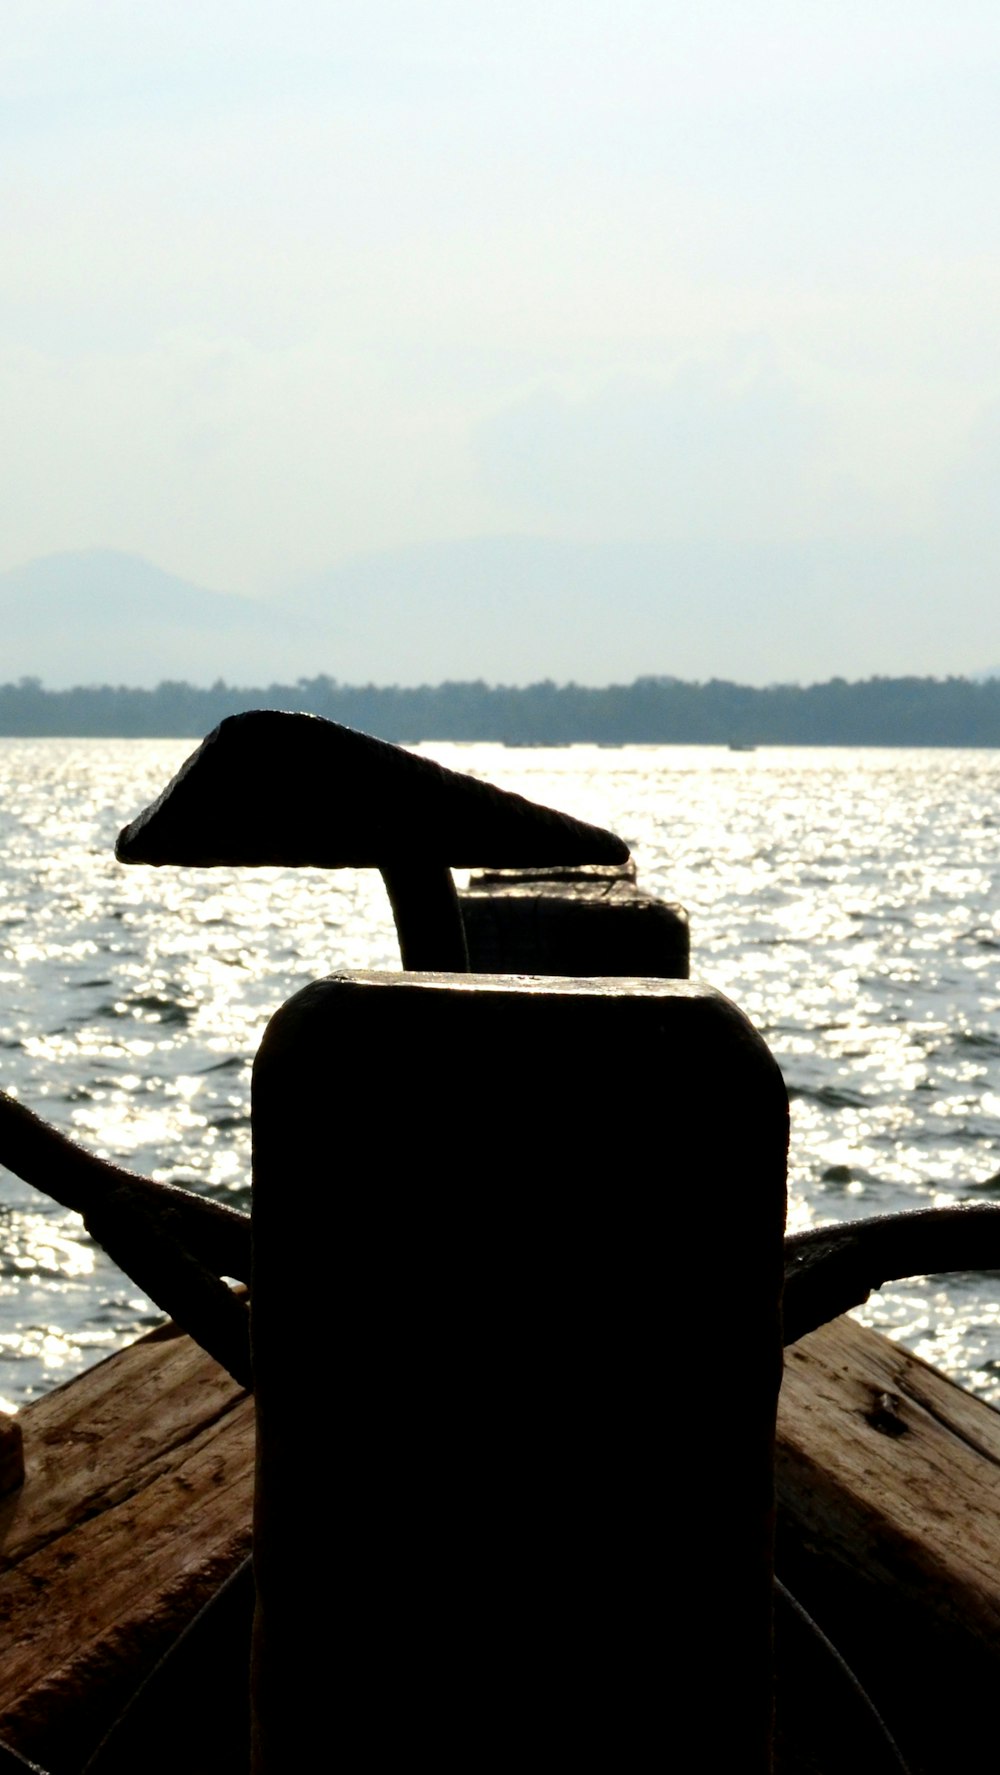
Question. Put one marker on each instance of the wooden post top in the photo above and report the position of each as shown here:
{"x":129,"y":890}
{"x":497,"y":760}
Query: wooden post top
{"x":270,"y":786}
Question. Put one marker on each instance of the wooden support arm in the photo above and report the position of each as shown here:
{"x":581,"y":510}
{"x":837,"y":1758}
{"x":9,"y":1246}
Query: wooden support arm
{"x":830,"y":1269}
{"x":175,"y":1245}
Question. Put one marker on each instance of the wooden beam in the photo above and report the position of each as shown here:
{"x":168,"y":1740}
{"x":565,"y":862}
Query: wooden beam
{"x":888,"y":1482}
{"x":136,"y":1505}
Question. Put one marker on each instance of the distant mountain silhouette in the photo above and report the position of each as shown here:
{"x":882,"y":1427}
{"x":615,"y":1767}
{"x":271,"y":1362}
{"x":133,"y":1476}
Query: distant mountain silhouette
{"x":102,"y":617}
{"x":504,"y":609}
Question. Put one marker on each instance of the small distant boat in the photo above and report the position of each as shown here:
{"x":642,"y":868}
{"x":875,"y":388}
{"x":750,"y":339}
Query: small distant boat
{"x":742,"y":746}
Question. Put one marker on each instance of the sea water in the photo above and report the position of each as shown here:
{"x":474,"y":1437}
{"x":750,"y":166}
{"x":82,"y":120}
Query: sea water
{"x":847,"y":900}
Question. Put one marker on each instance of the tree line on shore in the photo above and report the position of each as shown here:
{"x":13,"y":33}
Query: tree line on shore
{"x":650,"y":711}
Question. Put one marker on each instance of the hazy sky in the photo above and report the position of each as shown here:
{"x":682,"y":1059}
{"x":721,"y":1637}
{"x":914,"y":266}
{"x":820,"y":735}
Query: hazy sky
{"x":288,"y":284}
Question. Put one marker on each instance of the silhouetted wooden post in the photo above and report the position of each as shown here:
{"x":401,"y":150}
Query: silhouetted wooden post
{"x":271,"y":786}
{"x":514,"y":1474}
{"x":589,"y":920}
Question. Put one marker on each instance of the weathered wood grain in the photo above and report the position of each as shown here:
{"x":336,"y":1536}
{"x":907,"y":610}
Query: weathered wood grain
{"x":888,"y":1481}
{"x":136,"y":1505}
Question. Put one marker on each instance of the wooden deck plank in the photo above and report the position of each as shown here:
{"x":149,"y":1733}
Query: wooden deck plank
{"x":136,"y":1505}
{"x":888,"y":1479}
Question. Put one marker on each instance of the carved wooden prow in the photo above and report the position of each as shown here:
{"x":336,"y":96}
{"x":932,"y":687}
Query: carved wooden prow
{"x":269,"y":787}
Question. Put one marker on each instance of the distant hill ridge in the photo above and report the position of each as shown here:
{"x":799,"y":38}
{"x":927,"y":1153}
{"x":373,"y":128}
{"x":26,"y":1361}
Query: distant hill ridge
{"x":100,"y":616}
{"x":522,"y":608}
{"x":650,"y":711}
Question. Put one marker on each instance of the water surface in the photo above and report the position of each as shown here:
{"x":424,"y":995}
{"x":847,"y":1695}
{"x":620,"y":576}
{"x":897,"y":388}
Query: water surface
{"x":848,"y":900}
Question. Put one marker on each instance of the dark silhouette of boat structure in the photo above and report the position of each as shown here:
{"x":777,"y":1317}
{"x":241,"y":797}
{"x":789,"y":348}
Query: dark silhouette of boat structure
{"x":512,"y":1494}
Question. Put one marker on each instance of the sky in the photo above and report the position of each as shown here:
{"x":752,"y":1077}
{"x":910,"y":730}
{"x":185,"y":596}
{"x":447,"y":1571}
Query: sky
{"x":287,"y":288}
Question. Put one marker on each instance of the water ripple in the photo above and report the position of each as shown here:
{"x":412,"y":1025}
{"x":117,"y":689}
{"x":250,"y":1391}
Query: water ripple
{"x":849,"y":901}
